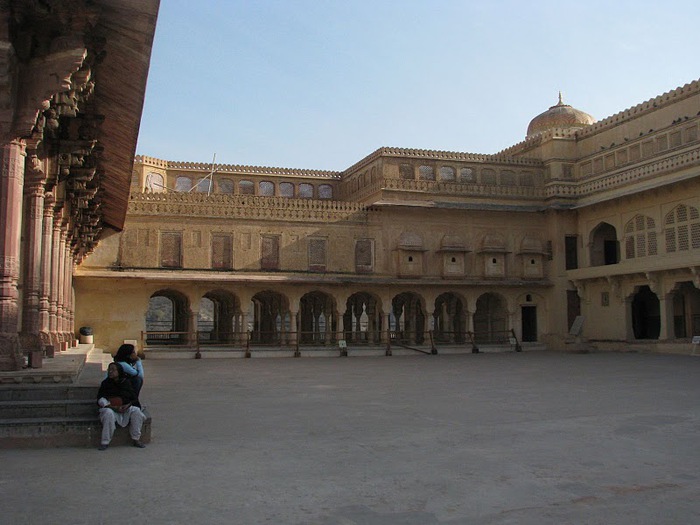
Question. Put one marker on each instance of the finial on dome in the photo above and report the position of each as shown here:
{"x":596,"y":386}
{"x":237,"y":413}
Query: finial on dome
{"x":561,"y":101}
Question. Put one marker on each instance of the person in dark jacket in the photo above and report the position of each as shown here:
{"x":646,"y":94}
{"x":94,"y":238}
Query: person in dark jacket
{"x":131,"y":365}
{"x":119,"y":405}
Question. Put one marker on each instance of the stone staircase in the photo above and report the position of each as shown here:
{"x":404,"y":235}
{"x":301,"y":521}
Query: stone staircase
{"x":60,"y":414}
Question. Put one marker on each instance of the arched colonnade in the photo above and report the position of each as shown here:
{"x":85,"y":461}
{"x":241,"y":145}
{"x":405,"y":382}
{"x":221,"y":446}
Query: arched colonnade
{"x":324,"y":317}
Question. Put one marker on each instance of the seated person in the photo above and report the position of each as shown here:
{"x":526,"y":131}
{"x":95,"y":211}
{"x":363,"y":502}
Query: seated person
{"x":132,"y":366}
{"x":119,"y":405}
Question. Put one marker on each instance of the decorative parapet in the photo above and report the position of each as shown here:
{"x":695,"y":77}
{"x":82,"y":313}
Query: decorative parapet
{"x":448,"y":156}
{"x":244,"y":207}
{"x":670,"y":97}
{"x":235,"y":168}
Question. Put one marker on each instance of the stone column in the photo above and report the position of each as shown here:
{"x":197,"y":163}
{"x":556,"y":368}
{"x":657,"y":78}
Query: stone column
{"x":31,"y":322}
{"x":68,"y":334}
{"x":11,"y":187}
{"x":294,"y":332}
{"x":54,"y":278}
{"x":45,"y":271}
{"x":666,"y":317}
{"x":60,"y":277}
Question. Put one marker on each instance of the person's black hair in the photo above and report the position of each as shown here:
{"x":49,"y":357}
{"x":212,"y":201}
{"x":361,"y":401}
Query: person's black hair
{"x":123,"y":355}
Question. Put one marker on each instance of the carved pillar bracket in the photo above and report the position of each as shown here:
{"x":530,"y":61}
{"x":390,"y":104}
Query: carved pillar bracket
{"x":580,"y":289}
{"x":614,"y":283}
{"x":695,"y":270}
{"x":654,"y":279}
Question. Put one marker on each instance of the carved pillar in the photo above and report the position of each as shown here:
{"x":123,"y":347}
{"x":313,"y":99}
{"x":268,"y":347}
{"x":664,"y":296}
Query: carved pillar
{"x":54,"y":278}
{"x":68,"y":334}
{"x":45,"y":270}
{"x":60,"y":278}
{"x":11,"y":186}
{"x":31,"y":323}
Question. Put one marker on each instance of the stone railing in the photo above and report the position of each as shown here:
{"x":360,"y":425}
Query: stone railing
{"x":244,"y":207}
{"x":622,"y":177}
{"x":465,"y":189}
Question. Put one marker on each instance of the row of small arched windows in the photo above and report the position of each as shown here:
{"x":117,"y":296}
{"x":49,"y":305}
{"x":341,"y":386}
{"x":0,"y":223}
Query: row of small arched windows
{"x":465,"y":175}
{"x":154,"y":183}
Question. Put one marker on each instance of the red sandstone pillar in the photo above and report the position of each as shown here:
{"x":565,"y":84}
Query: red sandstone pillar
{"x":59,"y":283}
{"x":55,"y":264}
{"x":11,"y":186}
{"x":34,"y":190}
{"x":68,"y":295}
{"x":45,"y":282}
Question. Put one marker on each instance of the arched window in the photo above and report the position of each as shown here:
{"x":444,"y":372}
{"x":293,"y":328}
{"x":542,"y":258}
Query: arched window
{"x":604,"y":246}
{"x":682,"y":229}
{"x":246,"y":187}
{"x":488,"y":176}
{"x":286,"y":189}
{"x":154,"y":183}
{"x":203,"y":185}
{"x":325,"y":191}
{"x":426,"y":173}
{"x":183,"y":184}
{"x":466,"y":175}
{"x":266,"y":189}
{"x":226,"y":186}
{"x":306,"y":191}
{"x":526,"y":179}
{"x":447,"y":173}
{"x":640,"y":237}
{"x":406,"y":172}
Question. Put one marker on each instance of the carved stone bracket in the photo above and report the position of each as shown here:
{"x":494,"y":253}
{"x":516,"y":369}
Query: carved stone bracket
{"x":654,"y":279}
{"x":580,"y":288}
{"x":695,"y":270}
{"x":614,"y":283}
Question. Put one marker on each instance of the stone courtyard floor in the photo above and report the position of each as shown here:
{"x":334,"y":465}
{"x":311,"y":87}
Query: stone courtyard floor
{"x":529,"y":438}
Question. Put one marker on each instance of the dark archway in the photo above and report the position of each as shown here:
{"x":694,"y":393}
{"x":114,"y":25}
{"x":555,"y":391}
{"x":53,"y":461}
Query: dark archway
{"x":646,"y":318}
{"x":449,"y":318}
{"x":271,"y":318}
{"x":362,"y":320}
{"x":167,"y":318}
{"x":408,"y":318}
{"x":686,"y":310}
{"x":317,"y":316}
{"x":605,"y":248}
{"x":490,"y":319}
{"x":216,"y":321}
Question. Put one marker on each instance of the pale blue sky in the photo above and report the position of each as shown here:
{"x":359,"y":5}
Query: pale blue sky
{"x":321,"y":84}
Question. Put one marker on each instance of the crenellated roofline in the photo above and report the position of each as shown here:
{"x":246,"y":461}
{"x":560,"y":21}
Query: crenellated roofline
{"x":648,"y":106}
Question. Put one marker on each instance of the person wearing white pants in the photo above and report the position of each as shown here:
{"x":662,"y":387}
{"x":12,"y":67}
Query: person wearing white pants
{"x":119,"y":405}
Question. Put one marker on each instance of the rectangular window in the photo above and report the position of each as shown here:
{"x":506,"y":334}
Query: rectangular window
{"x":571,"y":249}
{"x":270,"y":252}
{"x":171,"y":249}
{"x":221,"y":258}
{"x":364,"y":256}
{"x":317,"y":255}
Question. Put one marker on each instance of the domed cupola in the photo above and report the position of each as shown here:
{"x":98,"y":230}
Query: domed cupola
{"x":561,"y":116}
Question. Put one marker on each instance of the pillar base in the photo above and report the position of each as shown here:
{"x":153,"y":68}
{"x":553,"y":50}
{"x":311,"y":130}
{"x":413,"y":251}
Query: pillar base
{"x":10,"y":356}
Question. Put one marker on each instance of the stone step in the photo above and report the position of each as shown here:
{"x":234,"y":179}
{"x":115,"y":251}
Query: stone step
{"x":51,"y":432}
{"x":47,"y":392}
{"x":46,"y":408}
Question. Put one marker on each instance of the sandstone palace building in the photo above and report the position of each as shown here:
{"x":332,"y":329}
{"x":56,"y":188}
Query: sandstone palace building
{"x":588,"y":223}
